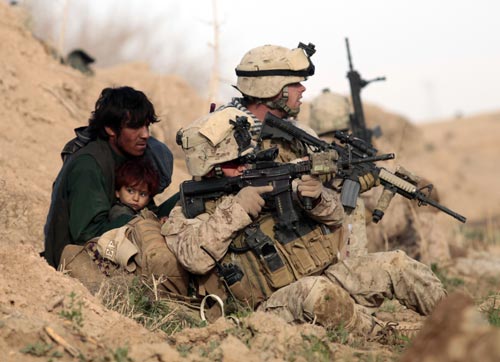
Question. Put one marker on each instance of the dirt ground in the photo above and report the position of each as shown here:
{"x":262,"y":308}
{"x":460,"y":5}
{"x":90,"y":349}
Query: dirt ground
{"x":46,"y":315}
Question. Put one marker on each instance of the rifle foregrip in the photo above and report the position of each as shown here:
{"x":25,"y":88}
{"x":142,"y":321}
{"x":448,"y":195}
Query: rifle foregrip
{"x":382,"y":204}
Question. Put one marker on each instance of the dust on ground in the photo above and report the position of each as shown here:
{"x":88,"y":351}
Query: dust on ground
{"x":46,"y":315}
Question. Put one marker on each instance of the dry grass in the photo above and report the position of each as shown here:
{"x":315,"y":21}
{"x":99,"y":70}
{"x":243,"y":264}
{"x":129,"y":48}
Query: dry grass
{"x":143,"y":302}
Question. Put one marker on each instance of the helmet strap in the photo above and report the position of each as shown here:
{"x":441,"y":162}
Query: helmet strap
{"x":281,"y":104}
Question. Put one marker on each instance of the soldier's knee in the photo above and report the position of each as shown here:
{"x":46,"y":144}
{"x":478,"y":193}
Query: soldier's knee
{"x":329,"y":305}
{"x":161,"y":262}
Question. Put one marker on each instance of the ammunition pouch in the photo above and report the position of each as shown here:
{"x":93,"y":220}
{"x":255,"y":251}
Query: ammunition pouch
{"x":268,"y":264}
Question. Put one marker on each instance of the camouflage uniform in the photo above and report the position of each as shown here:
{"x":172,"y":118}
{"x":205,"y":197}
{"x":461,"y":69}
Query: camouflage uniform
{"x":314,"y":281}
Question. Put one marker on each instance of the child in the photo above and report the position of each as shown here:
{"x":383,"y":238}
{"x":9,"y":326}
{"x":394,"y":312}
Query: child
{"x":136,"y":182}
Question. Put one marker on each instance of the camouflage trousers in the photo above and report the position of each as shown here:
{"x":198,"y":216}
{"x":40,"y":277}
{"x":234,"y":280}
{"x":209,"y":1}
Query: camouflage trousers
{"x":153,"y":260}
{"x":348,"y":292}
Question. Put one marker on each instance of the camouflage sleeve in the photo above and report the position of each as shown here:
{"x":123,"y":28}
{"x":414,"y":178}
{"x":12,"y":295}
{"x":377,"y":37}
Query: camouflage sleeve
{"x":329,"y":210}
{"x":214,"y":231}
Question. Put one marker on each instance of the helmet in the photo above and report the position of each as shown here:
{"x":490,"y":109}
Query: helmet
{"x":329,"y":112}
{"x":217,"y":138}
{"x":265,"y":70}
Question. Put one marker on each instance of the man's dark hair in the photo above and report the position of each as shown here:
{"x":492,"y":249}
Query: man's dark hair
{"x":135,"y":172}
{"x":121,"y":107}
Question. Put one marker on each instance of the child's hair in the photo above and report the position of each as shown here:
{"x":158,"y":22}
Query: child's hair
{"x":136,"y":171}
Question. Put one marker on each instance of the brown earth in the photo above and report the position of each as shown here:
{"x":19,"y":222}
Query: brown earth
{"x":42,"y":101}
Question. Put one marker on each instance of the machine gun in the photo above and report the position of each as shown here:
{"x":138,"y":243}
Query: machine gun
{"x":355,"y":149}
{"x":357,"y":119}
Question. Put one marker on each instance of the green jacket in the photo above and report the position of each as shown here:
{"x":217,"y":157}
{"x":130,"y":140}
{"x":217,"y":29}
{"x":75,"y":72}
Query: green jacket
{"x":82,"y":196}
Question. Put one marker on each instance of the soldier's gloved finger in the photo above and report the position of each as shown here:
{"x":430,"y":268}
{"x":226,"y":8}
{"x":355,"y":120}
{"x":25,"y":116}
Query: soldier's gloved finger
{"x":312,"y":193}
{"x":305,"y":178}
{"x":309,"y":181}
{"x":362,"y":183}
{"x":250,"y":200}
{"x":312,"y":184}
{"x":254,"y":191}
{"x":367,"y":181}
{"x":262,"y":189}
{"x":325,"y":178}
{"x":311,"y":188}
{"x":255,"y":210}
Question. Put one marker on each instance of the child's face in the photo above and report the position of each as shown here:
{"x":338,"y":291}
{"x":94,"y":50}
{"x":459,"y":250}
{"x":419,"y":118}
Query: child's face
{"x":134,"y":196}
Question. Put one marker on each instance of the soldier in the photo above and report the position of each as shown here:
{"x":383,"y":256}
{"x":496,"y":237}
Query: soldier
{"x":236,"y":247}
{"x":419,"y":231}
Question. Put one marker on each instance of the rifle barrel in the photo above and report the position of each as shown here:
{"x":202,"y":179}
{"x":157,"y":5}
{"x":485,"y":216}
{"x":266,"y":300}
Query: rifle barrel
{"x":356,"y":161}
{"x":426,"y":200}
{"x":348,"y":53}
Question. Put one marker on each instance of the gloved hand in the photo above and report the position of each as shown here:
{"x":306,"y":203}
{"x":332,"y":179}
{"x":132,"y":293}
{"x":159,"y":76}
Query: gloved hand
{"x":367,"y":181}
{"x":327,"y":178}
{"x":309,"y":186}
{"x":250,"y":200}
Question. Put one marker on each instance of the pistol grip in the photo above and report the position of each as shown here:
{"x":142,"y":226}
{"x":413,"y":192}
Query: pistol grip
{"x":307,"y":202}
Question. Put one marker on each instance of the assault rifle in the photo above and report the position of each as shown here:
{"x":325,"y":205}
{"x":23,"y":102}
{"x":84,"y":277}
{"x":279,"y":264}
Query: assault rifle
{"x":193,"y":194}
{"x":357,"y":119}
{"x":355,"y":148}
{"x":262,"y":172}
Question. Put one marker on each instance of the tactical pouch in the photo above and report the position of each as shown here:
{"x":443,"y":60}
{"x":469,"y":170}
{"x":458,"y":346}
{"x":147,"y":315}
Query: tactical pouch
{"x":311,"y":253}
{"x":279,"y":277}
{"x":246,"y":288}
{"x":271,"y":262}
{"x":242,"y":293}
{"x":263,"y":248}
{"x":257,"y":284}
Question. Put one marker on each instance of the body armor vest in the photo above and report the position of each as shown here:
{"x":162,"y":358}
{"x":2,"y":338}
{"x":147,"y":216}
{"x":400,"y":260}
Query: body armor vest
{"x":263,"y":258}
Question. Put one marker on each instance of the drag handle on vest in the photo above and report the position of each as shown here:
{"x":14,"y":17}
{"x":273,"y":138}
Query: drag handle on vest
{"x":231,"y":273}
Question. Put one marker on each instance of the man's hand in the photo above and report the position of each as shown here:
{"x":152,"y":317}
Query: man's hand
{"x":367,"y":181}
{"x":250,"y":200}
{"x":309,"y":186}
